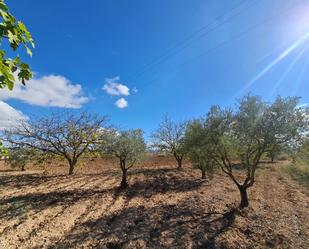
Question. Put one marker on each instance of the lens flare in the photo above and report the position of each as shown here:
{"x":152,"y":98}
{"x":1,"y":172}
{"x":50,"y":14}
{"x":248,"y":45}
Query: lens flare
{"x":283,"y":55}
{"x":291,"y":66}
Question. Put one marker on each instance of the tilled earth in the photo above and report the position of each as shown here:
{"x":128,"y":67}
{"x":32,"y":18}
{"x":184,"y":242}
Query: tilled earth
{"x":163,"y":208}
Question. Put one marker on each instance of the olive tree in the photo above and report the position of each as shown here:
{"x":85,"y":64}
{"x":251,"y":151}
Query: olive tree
{"x":3,"y":150}
{"x":274,"y":152}
{"x":252,"y":131}
{"x":127,"y":146}
{"x":66,"y":135}
{"x":19,"y":157}
{"x":200,"y":148}
{"x":16,"y":33}
{"x":169,"y":137}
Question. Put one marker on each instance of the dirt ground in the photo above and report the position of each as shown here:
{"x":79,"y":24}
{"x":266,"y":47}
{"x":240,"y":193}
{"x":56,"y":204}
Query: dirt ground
{"x":163,"y":208}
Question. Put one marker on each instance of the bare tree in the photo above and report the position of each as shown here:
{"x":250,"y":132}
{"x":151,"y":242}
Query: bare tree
{"x":169,"y":137}
{"x":65,"y":134}
{"x":128,"y":146}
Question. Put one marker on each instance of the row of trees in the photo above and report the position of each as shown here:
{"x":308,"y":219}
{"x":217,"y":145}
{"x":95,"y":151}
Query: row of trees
{"x":225,"y":139}
{"x":230,"y":139}
{"x":70,"y":136}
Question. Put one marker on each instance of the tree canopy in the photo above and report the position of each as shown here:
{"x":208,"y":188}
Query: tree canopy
{"x":127,"y":146}
{"x":3,"y":150}
{"x":240,"y":138}
{"x":16,"y":33}
{"x":64,"y":134}
{"x":169,"y":137}
{"x":199,"y":147}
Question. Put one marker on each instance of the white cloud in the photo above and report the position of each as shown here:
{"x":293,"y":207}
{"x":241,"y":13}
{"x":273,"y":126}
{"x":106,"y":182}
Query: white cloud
{"x":9,"y":117}
{"x":113,"y":87}
{"x":135,"y":90}
{"x":51,"y":90}
{"x":121,"y":103}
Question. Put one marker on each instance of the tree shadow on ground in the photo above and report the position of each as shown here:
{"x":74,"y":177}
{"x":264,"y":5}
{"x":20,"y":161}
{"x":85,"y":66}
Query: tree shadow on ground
{"x":160,"y":185}
{"x":35,"y":179}
{"x":27,"y":180}
{"x":19,"y":205}
{"x":166,"y":226}
{"x":13,"y":207}
{"x":159,"y":181}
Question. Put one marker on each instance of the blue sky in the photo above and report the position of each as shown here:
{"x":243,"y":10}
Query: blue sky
{"x":177,"y":57}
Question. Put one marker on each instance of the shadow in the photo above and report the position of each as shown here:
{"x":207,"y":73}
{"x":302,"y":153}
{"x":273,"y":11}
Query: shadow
{"x":155,"y":171}
{"x":28,"y":180}
{"x":19,"y":181}
{"x":226,"y":222}
{"x":13,"y":207}
{"x":161,"y":185}
{"x":165,"y":226}
{"x":37,"y":179}
{"x":158,"y":181}
{"x":10,"y":170}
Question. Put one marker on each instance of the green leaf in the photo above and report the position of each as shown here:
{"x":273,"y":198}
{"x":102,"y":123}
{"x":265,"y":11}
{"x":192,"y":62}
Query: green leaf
{"x":10,"y":85}
{"x":29,"y":52}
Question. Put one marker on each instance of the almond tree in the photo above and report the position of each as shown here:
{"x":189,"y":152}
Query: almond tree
{"x":127,"y":146}
{"x":66,"y":135}
{"x":169,"y":137}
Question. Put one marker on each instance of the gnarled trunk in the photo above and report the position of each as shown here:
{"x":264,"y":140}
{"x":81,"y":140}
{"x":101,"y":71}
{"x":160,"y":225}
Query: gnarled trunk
{"x":244,"y":202}
{"x":178,"y":159}
{"x":124,"y":183}
{"x":72,"y":164}
{"x":203,"y":174}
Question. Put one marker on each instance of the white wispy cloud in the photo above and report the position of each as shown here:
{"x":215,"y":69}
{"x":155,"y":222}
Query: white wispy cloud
{"x":50,"y":90}
{"x":9,"y":117}
{"x":135,"y":90}
{"x":121,"y":103}
{"x":113,"y":87}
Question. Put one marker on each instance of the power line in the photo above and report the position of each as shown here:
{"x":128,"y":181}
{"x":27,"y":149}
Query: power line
{"x":237,"y":36}
{"x":201,"y":32}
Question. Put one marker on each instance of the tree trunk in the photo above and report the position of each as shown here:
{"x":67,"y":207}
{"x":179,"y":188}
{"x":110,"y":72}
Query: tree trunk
{"x":23,"y":168}
{"x":71,"y":168}
{"x":244,"y":202}
{"x":124,"y":183}
{"x":178,"y":159}
{"x":203,"y":174}
{"x":179,"y":162}
{"x":272,"y":158}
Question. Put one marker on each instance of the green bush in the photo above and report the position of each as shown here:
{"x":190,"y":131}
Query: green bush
{"x":299,"y":169}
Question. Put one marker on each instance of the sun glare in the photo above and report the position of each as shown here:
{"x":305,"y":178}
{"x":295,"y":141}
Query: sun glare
{"x":283,"y":55}
{"x":298,"y":22}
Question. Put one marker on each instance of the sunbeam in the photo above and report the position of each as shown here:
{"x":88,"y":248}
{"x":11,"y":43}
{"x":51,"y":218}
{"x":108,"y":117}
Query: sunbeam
{"x":291,"y":66}
{"x":298,"y":81}
{"x":290,"y":49}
